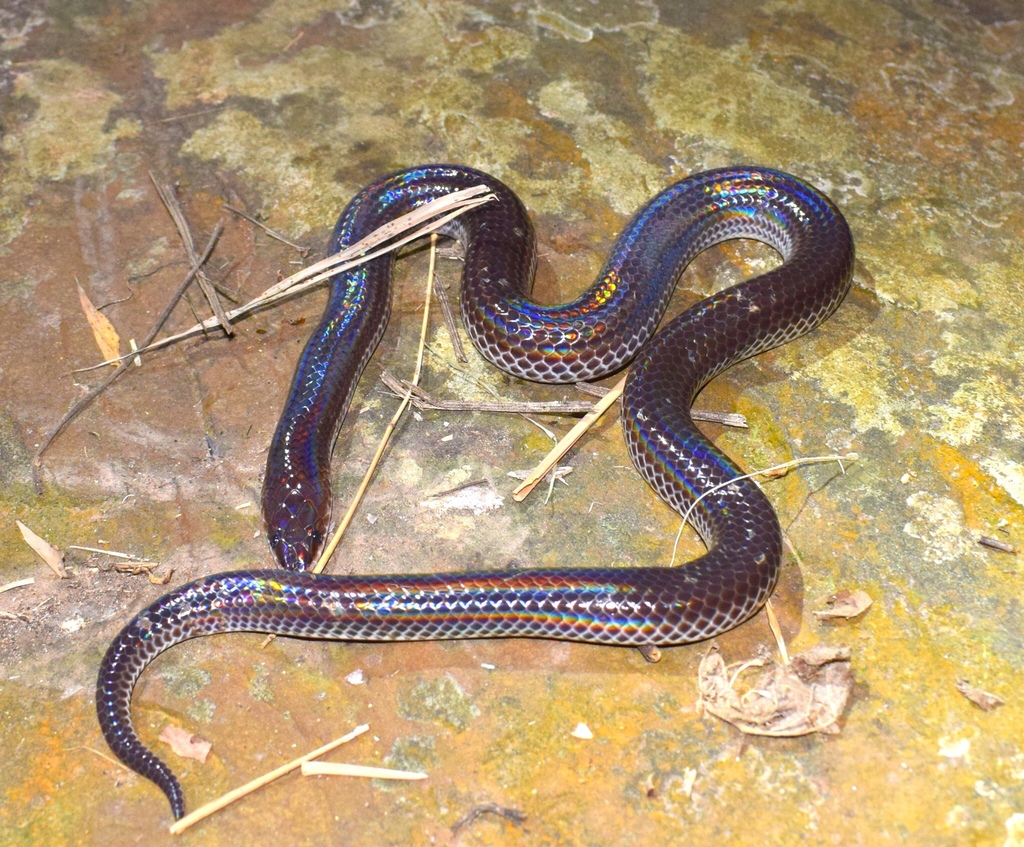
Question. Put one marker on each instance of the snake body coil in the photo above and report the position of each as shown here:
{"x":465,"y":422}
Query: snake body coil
{"x":594,"y":335}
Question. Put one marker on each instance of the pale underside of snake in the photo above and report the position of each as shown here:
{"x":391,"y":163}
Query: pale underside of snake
{"x":604,"y":329}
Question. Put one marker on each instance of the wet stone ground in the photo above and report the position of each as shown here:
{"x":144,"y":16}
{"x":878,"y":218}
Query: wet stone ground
{"x":907,"y":113}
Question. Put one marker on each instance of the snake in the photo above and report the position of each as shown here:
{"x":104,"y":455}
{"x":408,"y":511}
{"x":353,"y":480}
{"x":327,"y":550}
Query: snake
{"x":611,"y":324}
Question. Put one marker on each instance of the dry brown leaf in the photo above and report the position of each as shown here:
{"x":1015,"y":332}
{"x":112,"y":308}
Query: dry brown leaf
{"x":979,"y":697}
{"x":185,"y":744}
{"x":103,"y":330}
{"x":996,"y":544}
{"x":845,"y":604}
{"x":806,"y":696}
{"x":53,"y":557}
{"x":806,"y":663}
{"x":161,"y":580}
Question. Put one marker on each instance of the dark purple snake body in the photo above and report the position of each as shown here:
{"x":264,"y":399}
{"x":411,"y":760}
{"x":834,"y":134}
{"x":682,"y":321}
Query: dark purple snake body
{"x":588,"y":338}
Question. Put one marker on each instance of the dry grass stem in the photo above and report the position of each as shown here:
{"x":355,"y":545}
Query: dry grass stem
{"x":996,"y":544}
{"x":773,"y":624}
{"x":18,"y":583}
{"x":733,"y":419}
{"x":106,"y":552}
{"x":449,"y":321}
{"x":775,"y":470}
{"x":364,"y":771}
{"x":116,"y":762}
{"x":424,"y":401}
{"x":422,"y":221}
{"x":202,"y":812}
{"x":332,"y":545}
{"x":273,"y":233}
{"x":567,"y":441}
{"x":170,"y":201}
{"x":78,"y":405}
{"x":419,"y":221}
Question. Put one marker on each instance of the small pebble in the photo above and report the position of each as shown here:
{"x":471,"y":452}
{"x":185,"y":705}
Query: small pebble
{"x":582,"y":731}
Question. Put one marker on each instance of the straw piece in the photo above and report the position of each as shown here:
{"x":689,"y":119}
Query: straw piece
{"x":773,"y":623}
{"x":18,"y":583}
{"x":457,"y":203}
{"x":567,"y":441}
{"x":365,"y":771}
{"x":177,"y":213}
{"x":332,"y":545}
{"x":202,"y":812}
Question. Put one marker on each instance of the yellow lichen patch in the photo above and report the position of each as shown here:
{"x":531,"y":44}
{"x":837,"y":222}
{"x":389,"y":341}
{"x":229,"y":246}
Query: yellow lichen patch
{"x":409,"y":471}
{"x":489,"y":143}
{"x":65,"y":136}
{"x":989,"y":401}
{"x":51,"y":763}
{"x":304,"y":195}
{"x":48,"y":731}
{"x":237,"y":59}
{"x":720,"y":95}
{"x":64,"y":520}
{"x":489,"y":49}
{"x":210,"y":71}
{"x":982,"y":493}
{"x":1008,"y":473}
{"x":994,"y":279}
{"x":299,"y":168}
{"x":938,"y":523}
{"x":911,"y":267}
{"x":318,"y":141}
{"x":861,"y":374}
{"x":625,"y":178}
{"x":985,"y":409}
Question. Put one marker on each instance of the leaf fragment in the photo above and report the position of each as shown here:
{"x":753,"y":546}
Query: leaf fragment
{"x":53,"y":557}
{"x":809,"y":695}
{"x":103,"y":330}
{"x":979,"y":697}
{"x":186,"y":744}
{"x":845,"y":604}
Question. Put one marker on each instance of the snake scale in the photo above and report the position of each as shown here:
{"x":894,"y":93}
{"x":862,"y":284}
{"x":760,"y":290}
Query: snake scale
{"x":605,"y":328}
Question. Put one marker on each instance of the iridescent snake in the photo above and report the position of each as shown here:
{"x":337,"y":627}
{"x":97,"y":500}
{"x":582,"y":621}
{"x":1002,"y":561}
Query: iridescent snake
{"x":594,"y":335}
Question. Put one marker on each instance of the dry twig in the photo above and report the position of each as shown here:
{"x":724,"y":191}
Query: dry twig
{"x":170,"y":201}
{"x":996,"y":544}
{"x":202,"y":812}
{"x":771,"y":472}
{"x":372,"y":469}
{"x":79,"y":405}
{"x":733,"y":419}
{"x":567,"y":441}
{"x":421,"y":221}
{"x":512,"y":815}
{"x":363,"y":771}
{"x":18,"y":583}
{"x":449,"y":321}
{"x":273,"y":233}
{"x":422,"y":400}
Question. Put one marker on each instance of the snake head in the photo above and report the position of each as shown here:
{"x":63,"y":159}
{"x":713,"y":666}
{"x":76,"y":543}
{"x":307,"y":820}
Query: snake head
{"x":295,"y":526}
